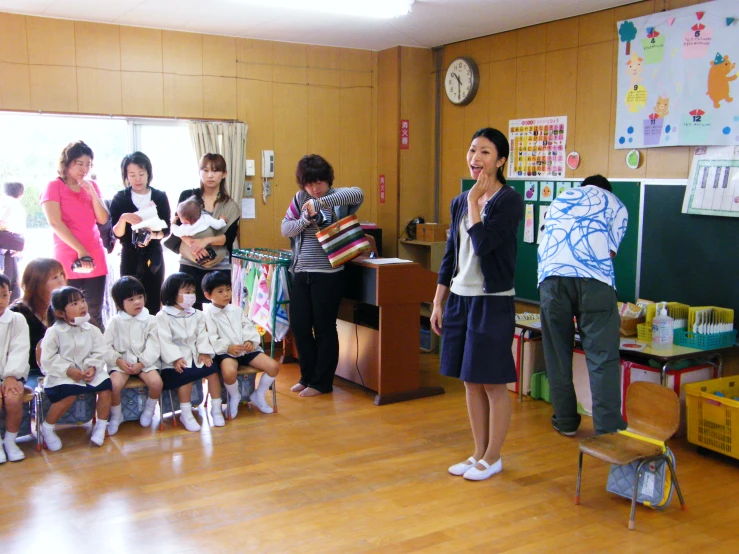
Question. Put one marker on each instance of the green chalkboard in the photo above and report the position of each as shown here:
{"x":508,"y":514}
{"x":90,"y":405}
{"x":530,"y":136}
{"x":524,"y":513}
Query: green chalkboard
{"x":624,"y":264}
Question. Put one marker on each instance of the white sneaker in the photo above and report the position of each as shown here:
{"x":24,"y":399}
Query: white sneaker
{"x":98,"y":433}
{"x":148,"y":414}
{"x":15,"y":454}
{"x":52,"y":440}
{"x":218,"y":419}
{"x":258,"y":400}
{"x":115,"y":421}
{"x":2,"y":456}
{"x":188,"y":420}
{"x":233,"y":404}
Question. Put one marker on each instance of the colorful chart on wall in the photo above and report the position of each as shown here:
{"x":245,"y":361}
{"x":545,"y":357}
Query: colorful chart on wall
{"x":677,"y":77}
{"x":537,"y":147}
{"x":713,"y":184}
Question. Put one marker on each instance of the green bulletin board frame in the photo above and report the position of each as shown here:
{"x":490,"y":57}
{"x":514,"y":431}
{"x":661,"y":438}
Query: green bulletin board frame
{"x":625,"y":263}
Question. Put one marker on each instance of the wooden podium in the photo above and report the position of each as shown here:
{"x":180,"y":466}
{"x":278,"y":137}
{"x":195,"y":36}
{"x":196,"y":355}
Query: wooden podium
{"x":379,"y":347}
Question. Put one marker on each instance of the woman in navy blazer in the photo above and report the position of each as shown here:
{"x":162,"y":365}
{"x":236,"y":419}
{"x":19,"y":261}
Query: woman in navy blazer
{"x":478,"y":320}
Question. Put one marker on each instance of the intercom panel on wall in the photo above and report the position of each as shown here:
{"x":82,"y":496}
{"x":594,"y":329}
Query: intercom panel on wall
{"x":268,"y":163}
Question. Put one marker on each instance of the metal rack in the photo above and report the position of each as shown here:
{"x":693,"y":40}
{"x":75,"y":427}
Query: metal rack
{"x":281,"y":259}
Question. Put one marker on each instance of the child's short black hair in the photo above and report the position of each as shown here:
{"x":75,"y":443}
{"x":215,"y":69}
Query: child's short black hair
{"x":4,"y":281}
{"x":64,"y":296}
{"x":172,"y":285}
{"x":598,"y":181}
{"x":215,"y":279}
{"x":124,"y":288}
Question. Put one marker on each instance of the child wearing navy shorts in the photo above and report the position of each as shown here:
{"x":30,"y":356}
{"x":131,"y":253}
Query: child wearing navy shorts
{"x":236,"y":342}
{"x":72,"y":358}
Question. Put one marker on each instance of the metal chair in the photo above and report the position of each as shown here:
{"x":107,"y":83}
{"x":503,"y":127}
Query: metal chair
{"x":653,"y":413}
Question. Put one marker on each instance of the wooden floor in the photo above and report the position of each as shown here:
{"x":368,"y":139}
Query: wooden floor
{"x":338,"y":474}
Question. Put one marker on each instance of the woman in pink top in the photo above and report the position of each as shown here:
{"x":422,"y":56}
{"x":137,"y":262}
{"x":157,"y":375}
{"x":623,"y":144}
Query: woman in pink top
{"x":73,"y":208}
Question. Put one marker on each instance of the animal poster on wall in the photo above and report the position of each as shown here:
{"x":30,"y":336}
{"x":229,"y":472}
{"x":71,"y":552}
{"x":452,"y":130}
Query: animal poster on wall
{"x":677,"y":77}
{"x":537,"y":147}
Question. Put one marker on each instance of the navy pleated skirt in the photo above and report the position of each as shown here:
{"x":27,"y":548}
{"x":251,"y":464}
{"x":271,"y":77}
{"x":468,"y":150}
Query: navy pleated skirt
{"x":477,"y":335}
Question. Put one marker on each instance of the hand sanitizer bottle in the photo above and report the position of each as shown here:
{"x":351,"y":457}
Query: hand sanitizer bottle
{"x":662,"y":328}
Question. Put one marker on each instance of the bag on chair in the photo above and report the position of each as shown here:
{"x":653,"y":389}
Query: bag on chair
{"x":655,"y":485}
{"x":343,"y":241}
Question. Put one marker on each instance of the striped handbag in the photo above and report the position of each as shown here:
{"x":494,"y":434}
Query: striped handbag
{"x":343,"y":241}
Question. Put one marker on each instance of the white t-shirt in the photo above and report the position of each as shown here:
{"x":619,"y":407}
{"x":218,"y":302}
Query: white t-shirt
{"x":582,"y":228}
{"x":140,"y":200}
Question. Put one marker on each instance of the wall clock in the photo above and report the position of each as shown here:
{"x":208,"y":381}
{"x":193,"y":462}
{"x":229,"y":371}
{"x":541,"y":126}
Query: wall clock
{"x":462,"y":80}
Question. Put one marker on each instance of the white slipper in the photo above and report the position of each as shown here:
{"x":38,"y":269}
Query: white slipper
{"x":474,"y":474}
{"x":462,"y":467}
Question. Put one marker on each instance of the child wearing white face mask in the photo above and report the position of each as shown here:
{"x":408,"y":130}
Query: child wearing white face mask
{"x":186,"y":353}
{"x":72,"y":353}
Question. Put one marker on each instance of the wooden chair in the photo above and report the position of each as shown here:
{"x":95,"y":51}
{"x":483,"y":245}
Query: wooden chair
{"x":653,"y":412}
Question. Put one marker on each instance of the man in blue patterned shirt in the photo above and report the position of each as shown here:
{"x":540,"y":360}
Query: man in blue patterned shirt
{"x":582,"y":233}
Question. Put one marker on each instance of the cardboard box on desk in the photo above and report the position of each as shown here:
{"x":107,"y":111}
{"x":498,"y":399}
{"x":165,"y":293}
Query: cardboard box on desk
{"x":430,"y":232}
{"x":628,"y":325}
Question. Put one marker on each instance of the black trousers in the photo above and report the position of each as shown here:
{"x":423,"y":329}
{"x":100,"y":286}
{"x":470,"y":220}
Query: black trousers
{"x":94,"y":290}
{"x":133,"y":264}
{"x":314,"y":306}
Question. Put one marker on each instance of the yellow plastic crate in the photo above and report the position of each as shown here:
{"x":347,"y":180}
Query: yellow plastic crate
{"x":644,"y":331}
{"x":713,"y":421}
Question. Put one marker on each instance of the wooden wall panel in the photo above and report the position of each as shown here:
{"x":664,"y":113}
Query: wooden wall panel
{"x":182,"y":53}
{"x":141,"y":49}
{"x":97,"y":46}
{"x":183,"y":96}
{"x":417,"y":81}
{"x":504,"y":46}
{"x":219,"y":56}
{"x":593,"y":119}
{"x":99,"y":91}
{"x":355,"y":137}
{"x":219,"y":97}
{"x":388,"y":143}
{"x":50,"y":41}
{"x":13,"y":41}
{"x":530,"y":74}
{"x":532,"y":40}
{"x":560,"y":90}
{"x":53,"y":88}
{"x":142,"y":93}
{"x":502,"y":99}
{"x":597,"y":27}
{"x":15,"y":87}
{"x":562,"y":34}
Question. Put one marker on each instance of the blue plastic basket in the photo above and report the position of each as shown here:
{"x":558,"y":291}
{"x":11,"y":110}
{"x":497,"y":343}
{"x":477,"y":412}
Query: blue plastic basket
{"x":702,"y":341}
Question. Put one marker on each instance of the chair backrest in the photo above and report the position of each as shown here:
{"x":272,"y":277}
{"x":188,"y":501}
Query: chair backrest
{"x":652,"y":410}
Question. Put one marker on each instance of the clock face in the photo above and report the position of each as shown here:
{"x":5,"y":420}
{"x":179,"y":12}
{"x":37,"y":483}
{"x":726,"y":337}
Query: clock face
{"x":462,"y":80}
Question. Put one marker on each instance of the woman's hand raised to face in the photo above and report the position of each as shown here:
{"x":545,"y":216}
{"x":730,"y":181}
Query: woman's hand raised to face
{"x":88,"y":188}
{"x":478,"y":190}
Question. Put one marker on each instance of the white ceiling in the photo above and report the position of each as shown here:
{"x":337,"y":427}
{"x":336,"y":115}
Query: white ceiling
{"x":430,"y":23}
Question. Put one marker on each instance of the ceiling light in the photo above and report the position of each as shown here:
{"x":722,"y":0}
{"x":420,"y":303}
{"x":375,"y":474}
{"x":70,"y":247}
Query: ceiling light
{"x":380,"y":9}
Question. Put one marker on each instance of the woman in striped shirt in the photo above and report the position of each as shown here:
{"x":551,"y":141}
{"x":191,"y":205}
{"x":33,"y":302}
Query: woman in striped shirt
{"x":317,"y":288}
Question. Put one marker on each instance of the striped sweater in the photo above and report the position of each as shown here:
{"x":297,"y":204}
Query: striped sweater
{"x":301,"y":229}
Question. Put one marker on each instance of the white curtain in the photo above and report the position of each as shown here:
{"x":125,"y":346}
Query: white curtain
{"x":228,"y":140}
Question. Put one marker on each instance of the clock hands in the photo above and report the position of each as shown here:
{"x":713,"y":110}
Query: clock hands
{"x":459,"y":85}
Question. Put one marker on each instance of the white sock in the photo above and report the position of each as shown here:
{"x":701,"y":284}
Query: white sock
{"x":233,"y":389}
{"x":234,"y":398}
{"x":115,"y":419}
{"x":148,"y":413}
{"x":15,"y":454}
{"x":264,"y":383}
{"x":215,"y":411}
{"x":186,"y":417}
{"x":98,"y":433}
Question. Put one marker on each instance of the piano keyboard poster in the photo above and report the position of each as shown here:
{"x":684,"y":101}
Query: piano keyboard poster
{"x":713,"y":186}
